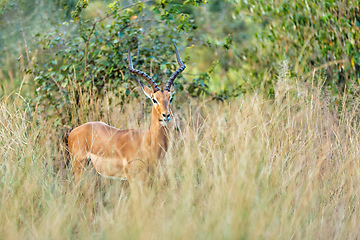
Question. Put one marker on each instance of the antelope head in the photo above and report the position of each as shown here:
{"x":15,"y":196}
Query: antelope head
{"x":161,"y":99}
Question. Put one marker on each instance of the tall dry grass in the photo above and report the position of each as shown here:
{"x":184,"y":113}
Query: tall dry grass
{"x":252,"y":168}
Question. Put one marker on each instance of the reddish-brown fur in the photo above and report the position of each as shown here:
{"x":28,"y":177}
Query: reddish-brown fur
{"x":122,"y":153}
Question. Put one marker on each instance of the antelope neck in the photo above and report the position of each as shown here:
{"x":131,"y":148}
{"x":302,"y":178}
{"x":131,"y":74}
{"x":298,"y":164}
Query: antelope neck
{"x":157,"y":131}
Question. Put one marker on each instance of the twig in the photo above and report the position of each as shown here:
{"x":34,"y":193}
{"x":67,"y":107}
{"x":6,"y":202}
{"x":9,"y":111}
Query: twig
{"x":324,"y":66}
{"x":128,"y":25}
{"x":303,"y":50}
{"x":93,"y":28}
{"x":27,"y":51}
{"x":129,"y":6}
{"x":61,"y":89}
{"x":86,"y":50}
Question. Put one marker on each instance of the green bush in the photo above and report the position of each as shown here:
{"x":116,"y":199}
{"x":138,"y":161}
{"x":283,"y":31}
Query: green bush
{"x":316,"y":36}
{"x":90,"y":55}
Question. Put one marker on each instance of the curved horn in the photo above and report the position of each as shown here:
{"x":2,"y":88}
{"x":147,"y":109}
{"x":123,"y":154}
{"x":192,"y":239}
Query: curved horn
{"x":175,"y":74}
{"x":142,"y":74}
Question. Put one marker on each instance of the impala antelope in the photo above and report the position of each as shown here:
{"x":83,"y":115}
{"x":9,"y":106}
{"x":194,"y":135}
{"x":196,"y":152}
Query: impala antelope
{"x":122,"y":153}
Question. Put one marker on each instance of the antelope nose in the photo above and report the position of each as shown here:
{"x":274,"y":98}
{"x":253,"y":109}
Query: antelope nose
{"x":166,"y":116}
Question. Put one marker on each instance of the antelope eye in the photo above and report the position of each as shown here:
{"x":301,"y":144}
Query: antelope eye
{"x":170,"y":101}
{"x":154,"y":101}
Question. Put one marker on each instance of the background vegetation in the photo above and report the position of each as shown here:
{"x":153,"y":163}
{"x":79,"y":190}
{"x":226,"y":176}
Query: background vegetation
{"x":278,"y":160}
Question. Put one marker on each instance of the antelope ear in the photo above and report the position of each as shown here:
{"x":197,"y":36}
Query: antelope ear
{"x":172,"y":89}
{"x":148,"y":91}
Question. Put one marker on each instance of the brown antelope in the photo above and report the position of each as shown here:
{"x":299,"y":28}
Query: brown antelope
{"x":119,"y":153}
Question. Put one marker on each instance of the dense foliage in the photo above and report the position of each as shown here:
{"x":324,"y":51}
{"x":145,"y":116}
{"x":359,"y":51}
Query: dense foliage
{"x":230,"y":47}
{"x":91,"y":54}
{"x":315,"y":36}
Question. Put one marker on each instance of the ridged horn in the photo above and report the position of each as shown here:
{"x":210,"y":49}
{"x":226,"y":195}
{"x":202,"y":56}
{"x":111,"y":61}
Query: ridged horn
{"x":175,"y":74}
{"x":142,"y":74}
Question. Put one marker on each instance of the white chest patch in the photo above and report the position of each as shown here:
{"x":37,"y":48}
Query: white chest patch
{"x":109,"y":167}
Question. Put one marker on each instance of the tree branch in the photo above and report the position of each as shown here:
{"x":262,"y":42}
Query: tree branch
{"x":93,"y":28}
{"x":27,"y":52}
{"x":325,"y":65}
